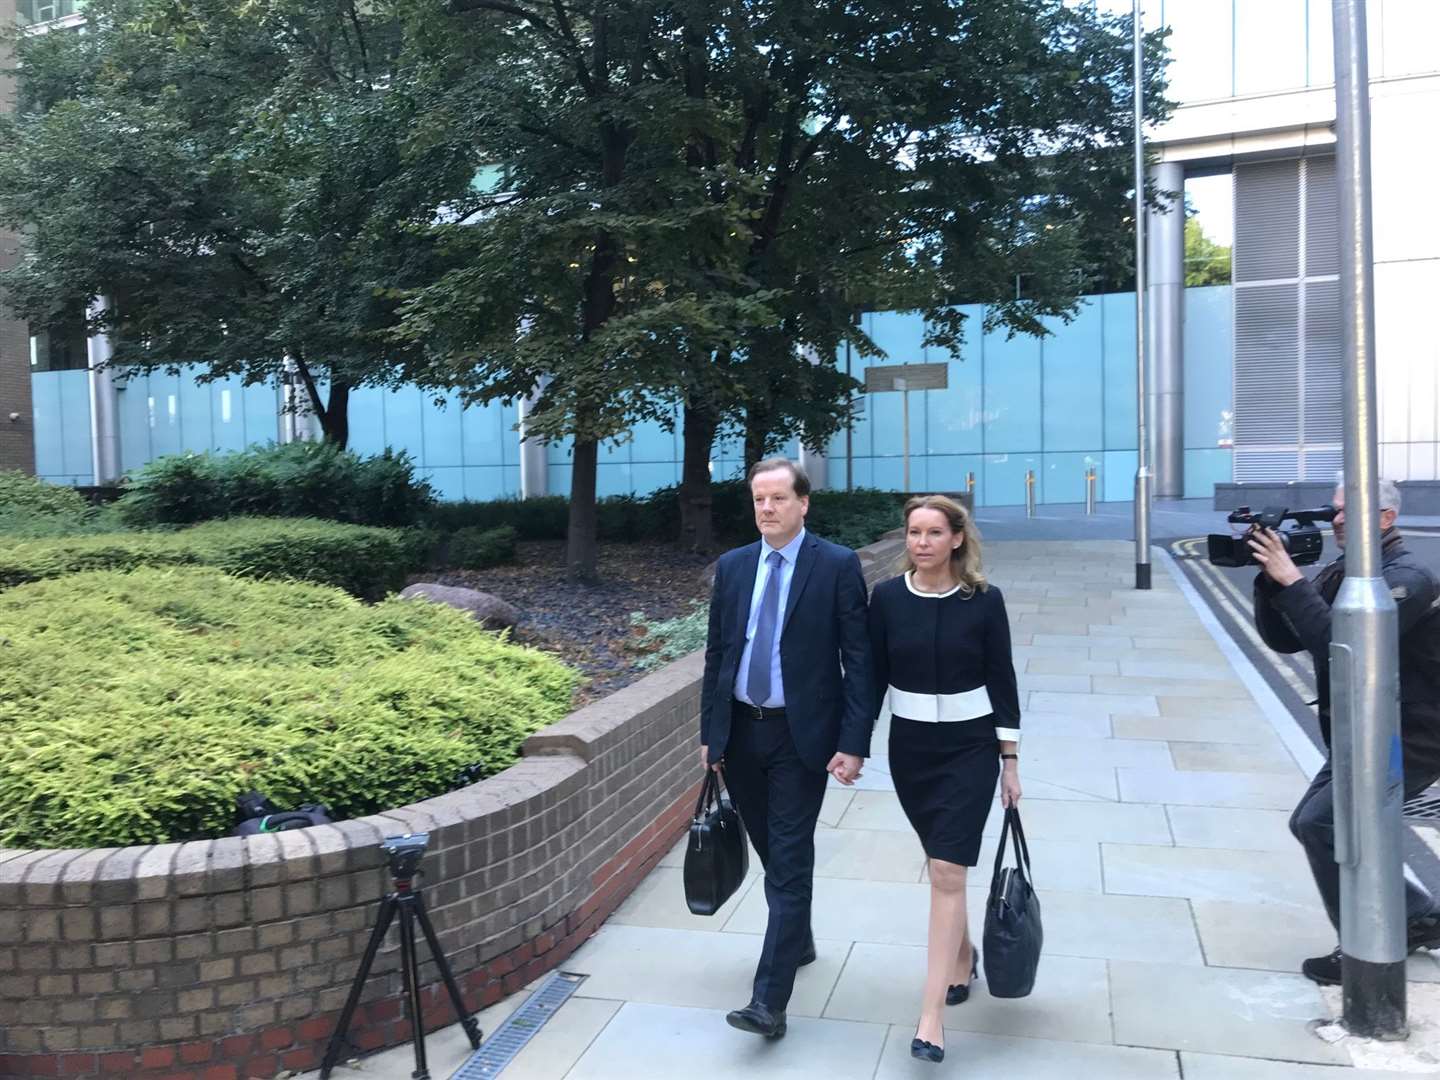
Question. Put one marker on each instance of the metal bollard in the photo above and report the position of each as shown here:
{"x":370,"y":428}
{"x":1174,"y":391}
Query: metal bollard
{"x":969,"y":483}
{"x":1090,"y":490}
{"x":1029,"y":493}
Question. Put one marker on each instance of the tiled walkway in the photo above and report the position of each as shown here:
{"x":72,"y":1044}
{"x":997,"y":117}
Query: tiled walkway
{"x":1177,"y":907}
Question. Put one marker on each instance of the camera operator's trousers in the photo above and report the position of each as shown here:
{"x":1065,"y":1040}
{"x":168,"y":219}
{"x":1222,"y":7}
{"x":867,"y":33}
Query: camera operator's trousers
{"x":1313,"y":824}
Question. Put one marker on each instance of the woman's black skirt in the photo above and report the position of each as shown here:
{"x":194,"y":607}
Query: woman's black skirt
{"x":945,"y":778}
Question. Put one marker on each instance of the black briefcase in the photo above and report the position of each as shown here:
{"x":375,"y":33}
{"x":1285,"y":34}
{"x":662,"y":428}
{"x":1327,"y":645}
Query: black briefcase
{"x":718,"y":856}
{"x":1013,"y":934}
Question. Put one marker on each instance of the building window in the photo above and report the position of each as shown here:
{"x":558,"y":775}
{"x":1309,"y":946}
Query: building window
{"x":60,"y":346}
{"x":31,"y":12}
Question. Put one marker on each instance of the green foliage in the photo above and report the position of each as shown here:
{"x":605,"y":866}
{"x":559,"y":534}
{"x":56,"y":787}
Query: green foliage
{"x":1206,"y":262}
{"x":300,"y":479}
{"x":670,"y":639}
{"x":366,"y":562}
{"x":22,"y":493}
{"x":239,"y":177}
{"x":136,"y":706}
{"x":854,"y":518}
{"x":474,"y":548}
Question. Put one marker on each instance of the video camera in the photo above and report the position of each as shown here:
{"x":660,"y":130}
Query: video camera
{"x":1304,"y":542}
{"x":404,"y":853}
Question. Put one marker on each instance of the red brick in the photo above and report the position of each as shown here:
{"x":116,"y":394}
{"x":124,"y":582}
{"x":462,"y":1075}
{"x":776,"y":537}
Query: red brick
{"x":544,"y":943}
{"x":77,"y":1064}
{"x":117,"y":1064}
{"x":385,"y":1009}
{"x":492,"y":993}
{"x":264,"y":1066}
{"x":371,"y":1038}
{"x":43,"y":1065}
{"x":197,"y":1053}
{"x":276,"y":1038}
{"x":316,"y":1029}
{"x":238,"y":1046}
{"x":220,"y":1072}
{"x":157,"y":1057}
{"x":301,"y":1059}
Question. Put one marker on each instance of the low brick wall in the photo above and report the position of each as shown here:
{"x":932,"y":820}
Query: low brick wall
{"x":231,"y":958}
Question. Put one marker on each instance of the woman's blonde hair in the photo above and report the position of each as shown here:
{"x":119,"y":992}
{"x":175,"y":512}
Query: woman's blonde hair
{"x":964,"y":560}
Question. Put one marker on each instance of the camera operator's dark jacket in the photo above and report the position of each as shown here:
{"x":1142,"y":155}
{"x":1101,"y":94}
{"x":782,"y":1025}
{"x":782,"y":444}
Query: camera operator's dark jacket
{"x":1297,"y":617}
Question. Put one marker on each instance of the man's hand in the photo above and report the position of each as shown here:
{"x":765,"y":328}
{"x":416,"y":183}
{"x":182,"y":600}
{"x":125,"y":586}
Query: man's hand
{"x":705,"y":760}
{"x":1270,"y":553}
{"x":845,"y":768}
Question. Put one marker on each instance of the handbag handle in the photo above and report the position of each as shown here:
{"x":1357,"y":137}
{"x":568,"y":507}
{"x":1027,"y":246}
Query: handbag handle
{"x":710,"y":790}
{"x":1017,"y":839}
{"x":709,"y":794}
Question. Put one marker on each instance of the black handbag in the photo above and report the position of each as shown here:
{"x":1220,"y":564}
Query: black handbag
{"x":1013,"y":934}
{"x":718,"y":857}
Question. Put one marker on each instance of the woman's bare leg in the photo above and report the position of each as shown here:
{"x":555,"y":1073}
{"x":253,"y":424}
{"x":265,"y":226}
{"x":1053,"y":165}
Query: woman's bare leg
{"x":947,"y":937}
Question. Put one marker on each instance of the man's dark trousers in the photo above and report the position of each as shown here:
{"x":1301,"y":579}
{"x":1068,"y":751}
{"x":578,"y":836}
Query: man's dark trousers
{"x":1313,"y":824}
{"x":779,"y":799}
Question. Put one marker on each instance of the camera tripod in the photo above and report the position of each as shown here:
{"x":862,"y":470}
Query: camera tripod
{"x":405,"y":902}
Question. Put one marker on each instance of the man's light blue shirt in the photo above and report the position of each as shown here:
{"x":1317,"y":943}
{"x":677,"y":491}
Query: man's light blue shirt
{"x":788,"y":555}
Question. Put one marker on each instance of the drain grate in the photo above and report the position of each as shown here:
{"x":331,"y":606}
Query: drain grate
{"x":1425,"y":806}
{"x":520,"y":1027}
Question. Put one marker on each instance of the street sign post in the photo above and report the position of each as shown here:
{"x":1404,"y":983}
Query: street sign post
{"x":903,"y":378}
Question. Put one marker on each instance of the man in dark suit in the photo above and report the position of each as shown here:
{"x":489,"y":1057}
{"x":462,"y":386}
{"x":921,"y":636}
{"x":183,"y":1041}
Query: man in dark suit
{"x":787,"y":702}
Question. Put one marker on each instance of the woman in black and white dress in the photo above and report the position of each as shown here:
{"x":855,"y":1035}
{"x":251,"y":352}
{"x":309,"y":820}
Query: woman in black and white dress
{"x":942,"y":659}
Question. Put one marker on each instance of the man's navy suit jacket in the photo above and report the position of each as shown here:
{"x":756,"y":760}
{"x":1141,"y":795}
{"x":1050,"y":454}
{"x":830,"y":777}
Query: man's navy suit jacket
{"x":825,"y":658}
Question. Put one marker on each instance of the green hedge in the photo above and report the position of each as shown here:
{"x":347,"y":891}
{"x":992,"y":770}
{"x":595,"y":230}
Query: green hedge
{"x":136,"y":706}
{"x":474,"y":548}
{"x":300,"y":479}
{"x":364,"y":561}
{"x":852,"y":518}
{"x":22,"y":493}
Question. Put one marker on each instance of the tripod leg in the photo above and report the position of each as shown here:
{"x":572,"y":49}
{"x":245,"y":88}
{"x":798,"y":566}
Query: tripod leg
{"x":411,"y":969}
{"x":468,"y":1022}
{"x":377,"y":936}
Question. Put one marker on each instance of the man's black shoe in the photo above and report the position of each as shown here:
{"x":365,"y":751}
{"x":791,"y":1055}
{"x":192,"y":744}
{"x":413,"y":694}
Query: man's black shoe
{"x":758,"y":1019}
{"x":1324,"y":970}
{"x":1422,"y":933}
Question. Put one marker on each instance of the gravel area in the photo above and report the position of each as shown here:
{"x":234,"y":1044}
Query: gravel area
{"x":588,"y":626}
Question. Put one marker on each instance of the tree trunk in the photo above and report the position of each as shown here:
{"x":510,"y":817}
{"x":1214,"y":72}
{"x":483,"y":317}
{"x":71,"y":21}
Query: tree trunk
{"x":335,"y":420}
{"x":582,"y":542}
{"x":697,"y":522}
{"x":757,"y":437}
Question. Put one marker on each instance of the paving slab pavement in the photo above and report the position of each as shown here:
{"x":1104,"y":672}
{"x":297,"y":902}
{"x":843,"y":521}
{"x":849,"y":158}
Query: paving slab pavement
{"x":1177,"y":906}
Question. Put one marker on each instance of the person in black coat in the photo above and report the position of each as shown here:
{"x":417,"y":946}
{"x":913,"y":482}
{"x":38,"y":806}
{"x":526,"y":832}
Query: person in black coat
{"x":1292,"y":614}
{"x":785,"y":703}
{"x":943,"y":663}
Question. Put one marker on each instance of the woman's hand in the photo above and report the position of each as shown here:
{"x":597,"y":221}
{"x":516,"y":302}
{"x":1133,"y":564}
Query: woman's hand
{"x":1010,"y":784}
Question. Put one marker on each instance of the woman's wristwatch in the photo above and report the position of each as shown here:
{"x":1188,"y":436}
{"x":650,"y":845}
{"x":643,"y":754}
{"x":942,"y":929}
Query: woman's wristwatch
{"x":1011,"y":757}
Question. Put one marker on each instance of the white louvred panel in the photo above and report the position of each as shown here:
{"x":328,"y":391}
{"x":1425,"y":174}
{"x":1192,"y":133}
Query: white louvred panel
{"x":1267,"y":355}
{"x":1267,"y":221}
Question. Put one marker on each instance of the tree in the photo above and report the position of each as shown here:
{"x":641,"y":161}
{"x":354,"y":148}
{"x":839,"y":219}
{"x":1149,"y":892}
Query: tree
{"x":245,"y":180}
{"x":898,"y":158}
{"x":1206,"y":262}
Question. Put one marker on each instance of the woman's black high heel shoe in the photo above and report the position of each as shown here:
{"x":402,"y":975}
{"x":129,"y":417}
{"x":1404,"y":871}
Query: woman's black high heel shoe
{"x":960,"y":992}
{"x":926,"y":1051}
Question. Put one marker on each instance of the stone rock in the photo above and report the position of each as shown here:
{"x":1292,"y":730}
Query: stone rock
{"x":485,"y":608}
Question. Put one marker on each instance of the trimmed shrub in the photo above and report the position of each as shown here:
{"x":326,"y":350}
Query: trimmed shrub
{"x":475,"y":548}
{"x":136,"y":706}
{"x":21,"y":493}
{"x":852,"y":518}
{"x":364,"y":561}
{"x":300,"y":479}
{"x":670,"y":639}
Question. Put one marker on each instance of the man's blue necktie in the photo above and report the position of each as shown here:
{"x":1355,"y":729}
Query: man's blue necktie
{"x":763,"y":644}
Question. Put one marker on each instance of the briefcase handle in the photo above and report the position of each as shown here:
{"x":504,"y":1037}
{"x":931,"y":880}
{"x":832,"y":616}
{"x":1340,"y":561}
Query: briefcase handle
{"x":1017,"y":838}
{"x":710,"y":789}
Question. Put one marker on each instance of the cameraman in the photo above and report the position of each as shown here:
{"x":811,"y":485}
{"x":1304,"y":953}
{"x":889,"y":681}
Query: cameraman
{"x":1293,"y":613}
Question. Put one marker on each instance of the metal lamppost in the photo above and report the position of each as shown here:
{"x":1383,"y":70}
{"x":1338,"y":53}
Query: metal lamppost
{"x":1364,"y":650}
{"x":1142,"y":471}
